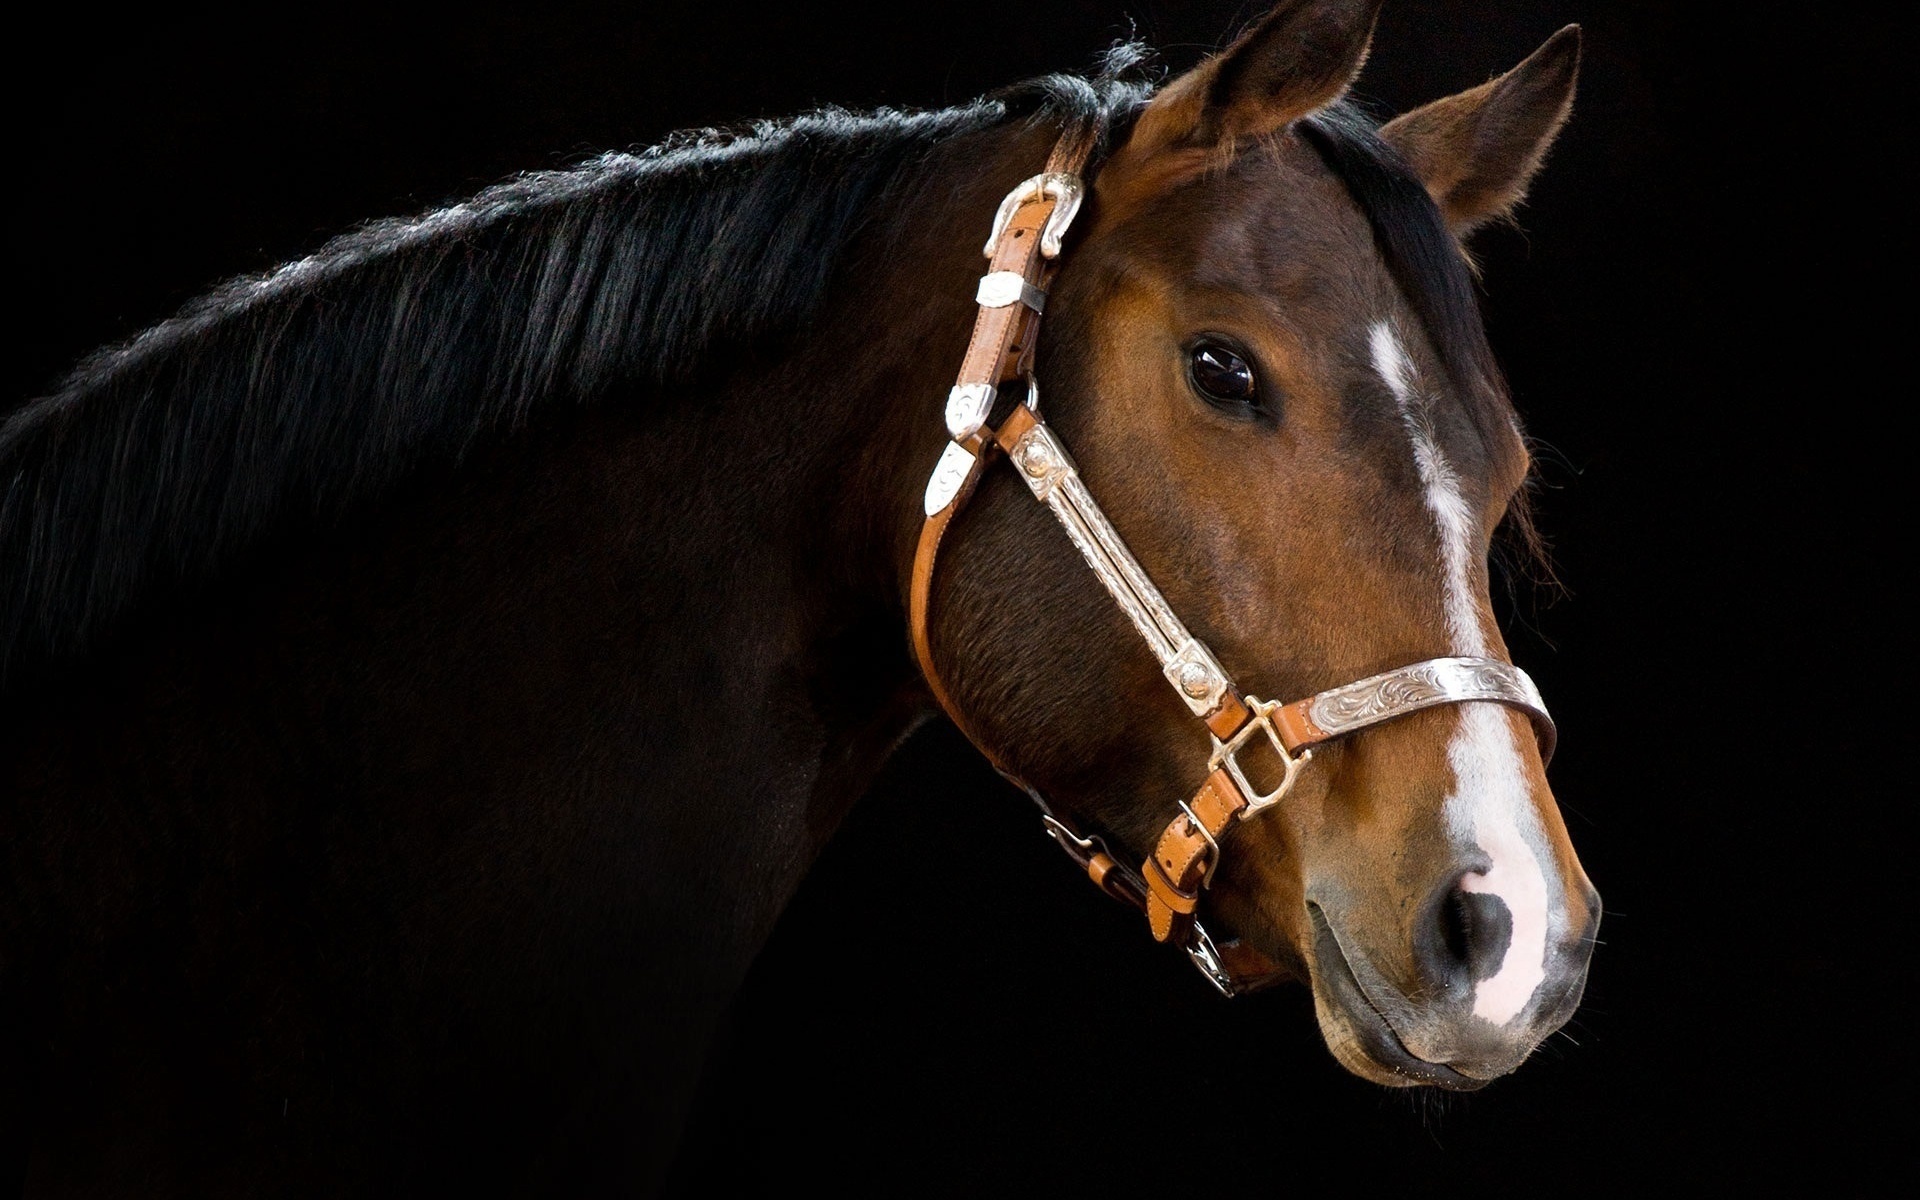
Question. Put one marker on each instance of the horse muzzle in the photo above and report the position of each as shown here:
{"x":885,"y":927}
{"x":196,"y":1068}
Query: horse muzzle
{"x":1428,"y":1032}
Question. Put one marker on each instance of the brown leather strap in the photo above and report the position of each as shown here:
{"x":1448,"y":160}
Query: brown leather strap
{"x":1297,"y":730}
{"x":1074,"y":148}
{"x":1226,"y":720}
{"x":1014,"y":427}
{"x":1189,"y":848}
{"x":1002,"y":334}
{"x":920,"y":597}
{"x":1000,"y":350}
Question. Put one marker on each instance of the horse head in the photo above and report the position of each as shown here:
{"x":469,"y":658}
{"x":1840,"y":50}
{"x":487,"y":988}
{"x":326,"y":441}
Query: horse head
{"x":1263,"y":349}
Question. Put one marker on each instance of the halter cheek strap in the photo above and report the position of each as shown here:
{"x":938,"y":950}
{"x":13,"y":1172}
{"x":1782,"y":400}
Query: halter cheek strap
{"x":1023,"y":252}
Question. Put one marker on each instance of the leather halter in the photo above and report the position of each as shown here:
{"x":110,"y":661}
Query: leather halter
{"x":1023,"y":252}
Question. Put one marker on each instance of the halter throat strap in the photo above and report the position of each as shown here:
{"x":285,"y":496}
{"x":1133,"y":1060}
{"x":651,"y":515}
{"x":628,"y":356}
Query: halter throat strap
{"x":1023,"y":252}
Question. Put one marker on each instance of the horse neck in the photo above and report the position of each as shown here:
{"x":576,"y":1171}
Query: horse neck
{"x":661,"y":636}
{"x":761,"y":530}
{"x":571,"y":720}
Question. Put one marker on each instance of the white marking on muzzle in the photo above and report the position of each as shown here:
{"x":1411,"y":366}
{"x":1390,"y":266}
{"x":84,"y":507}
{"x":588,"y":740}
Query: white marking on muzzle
{"x":1491,"y":805}
{"x":1488,"y":805}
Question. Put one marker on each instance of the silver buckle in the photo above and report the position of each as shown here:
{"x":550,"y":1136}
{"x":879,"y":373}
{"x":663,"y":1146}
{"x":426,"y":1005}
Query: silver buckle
{"x":1213,"y":860}
{"x":1067,"y":194}
{"x":1227,"y":754}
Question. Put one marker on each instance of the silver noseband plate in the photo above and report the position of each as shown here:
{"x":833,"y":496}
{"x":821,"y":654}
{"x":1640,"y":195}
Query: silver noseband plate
{"x":1377,"y":698}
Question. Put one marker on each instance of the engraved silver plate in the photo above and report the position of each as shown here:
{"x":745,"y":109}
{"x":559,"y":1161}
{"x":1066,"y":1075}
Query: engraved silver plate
{"x":967,"y":407}
{"x":1370,"y":701}
{"x":1001,"y":288}
{"x":1189,"y":666}
{"x":1199,"y":679}
{"x":956,"y":463}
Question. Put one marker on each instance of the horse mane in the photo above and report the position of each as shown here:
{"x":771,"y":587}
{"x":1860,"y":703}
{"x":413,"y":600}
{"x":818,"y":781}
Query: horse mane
{"x":304,"y":393}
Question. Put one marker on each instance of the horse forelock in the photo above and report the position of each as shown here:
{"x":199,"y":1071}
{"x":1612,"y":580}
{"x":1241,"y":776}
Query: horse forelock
{"x":305,"y":392}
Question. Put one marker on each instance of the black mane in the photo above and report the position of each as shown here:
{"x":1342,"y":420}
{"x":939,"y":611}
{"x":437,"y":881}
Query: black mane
{"x":303,"y":393}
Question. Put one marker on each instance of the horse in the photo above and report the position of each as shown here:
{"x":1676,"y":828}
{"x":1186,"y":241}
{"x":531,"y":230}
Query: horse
{"x":429,"y":667}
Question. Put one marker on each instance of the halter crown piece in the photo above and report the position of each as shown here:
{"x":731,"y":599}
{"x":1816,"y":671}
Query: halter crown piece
{"x":1023,"y":252}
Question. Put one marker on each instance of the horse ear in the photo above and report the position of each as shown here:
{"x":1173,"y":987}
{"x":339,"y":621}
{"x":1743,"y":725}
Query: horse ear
{"x":1478,"y":150}
{"x":1298,"y":58}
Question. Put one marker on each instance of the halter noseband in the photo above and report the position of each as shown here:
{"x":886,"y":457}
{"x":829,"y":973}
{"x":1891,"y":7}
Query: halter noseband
{"x":1023,"y":252}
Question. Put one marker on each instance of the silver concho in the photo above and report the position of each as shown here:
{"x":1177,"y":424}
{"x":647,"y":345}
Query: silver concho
{"x":1198,"y":676}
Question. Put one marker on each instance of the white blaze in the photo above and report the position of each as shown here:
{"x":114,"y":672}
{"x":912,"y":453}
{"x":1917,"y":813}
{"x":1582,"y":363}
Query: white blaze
{"x":1491,"y":805}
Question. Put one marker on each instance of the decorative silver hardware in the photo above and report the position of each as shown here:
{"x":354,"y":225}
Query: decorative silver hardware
{"x":1196,"y":676}
{"x":1050,"y":474}
{"x":1001,"y":288}
{"x":967,"y":407}
{"x":1163,"y":631}
{"x":1067,"y":194}
{"x":1206,"y":956}
{"x":956,"y":463}
{"x":1038,"y":461}
{"x":1366,"y":702}
{"x":1042,"y":460}
{"x":1227,"y":754}
{"x":1202,"y":681}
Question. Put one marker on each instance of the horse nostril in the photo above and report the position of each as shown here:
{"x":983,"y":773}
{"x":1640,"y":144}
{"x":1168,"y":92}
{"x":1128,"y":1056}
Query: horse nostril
{"x":1456,"y":925}
{"x":1468,"y":935}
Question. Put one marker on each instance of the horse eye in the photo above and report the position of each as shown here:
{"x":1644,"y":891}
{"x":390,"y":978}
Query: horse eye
{"x":1221,"y":375}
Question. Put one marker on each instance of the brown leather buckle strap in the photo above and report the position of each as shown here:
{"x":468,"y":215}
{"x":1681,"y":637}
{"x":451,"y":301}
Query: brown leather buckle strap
{"x":1020,"y":251}
{"x":1183,"y":862}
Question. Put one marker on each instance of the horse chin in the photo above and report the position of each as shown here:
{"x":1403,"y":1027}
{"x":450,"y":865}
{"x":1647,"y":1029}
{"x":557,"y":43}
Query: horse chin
{"x":1360,"y":1036}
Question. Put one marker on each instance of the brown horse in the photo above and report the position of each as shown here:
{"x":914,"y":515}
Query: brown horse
{"x":431,"y":667}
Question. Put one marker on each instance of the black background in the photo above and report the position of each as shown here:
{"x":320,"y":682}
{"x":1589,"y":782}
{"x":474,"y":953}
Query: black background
{"x":1687,"y":315}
